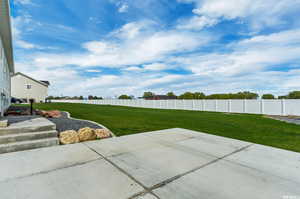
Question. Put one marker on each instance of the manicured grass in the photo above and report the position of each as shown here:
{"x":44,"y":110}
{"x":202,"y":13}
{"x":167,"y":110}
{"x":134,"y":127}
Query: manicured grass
{"x":128,"y":120}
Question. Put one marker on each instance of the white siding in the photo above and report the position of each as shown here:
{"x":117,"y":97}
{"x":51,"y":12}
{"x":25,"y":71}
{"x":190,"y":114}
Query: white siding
{"x":19,"y":83}
{"x":4,"y":81}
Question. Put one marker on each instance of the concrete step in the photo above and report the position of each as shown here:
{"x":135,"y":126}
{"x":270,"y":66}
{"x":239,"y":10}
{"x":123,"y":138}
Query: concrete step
{"x":28,"y":126}
{"x":6,"y":139}
{"x":3,"y":123}
{"x":26,"y":145}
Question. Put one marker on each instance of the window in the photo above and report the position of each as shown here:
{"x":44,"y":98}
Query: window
{"x":28,"y":86}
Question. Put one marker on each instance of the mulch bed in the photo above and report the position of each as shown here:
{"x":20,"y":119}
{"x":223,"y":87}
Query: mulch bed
{"x":63,"y":123}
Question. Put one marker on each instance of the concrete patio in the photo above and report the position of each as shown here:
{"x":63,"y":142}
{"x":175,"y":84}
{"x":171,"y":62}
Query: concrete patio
{"x":168,"y":164}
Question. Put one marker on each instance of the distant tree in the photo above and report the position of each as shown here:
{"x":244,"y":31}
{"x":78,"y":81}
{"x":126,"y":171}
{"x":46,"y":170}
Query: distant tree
{"x":282,"y":97}
{"x":171,"y":94}
{"x":148,"y":95}
{"x":76,"y":97}
{"x":239,"y":95}
{"x":223,"y":96}
{"x":124,"y":97}
{"x":81,"y":97}
{"x":219,"y":96}
{"x":268,"y":96}
{"x":247,"y":95}
{"x":187,"y":95}
{"x":199,"y":95}
{"x":294,"y":95}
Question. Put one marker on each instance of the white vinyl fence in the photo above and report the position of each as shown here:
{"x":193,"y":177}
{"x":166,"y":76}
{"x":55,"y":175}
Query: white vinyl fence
{"x":268,"y":107}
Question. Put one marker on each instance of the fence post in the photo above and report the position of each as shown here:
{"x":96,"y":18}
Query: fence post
{"x":229,"y":106}
{"x":203,"y":105}
{"x":283,"y":107}
{"x":216,"y":105}
{"x":245,"y":106}
{"x":193,"y":105}
{"x":262,"y":106}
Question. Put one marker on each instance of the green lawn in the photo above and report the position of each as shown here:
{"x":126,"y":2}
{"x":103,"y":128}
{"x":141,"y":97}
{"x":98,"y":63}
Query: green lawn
{"x":128,"y":120}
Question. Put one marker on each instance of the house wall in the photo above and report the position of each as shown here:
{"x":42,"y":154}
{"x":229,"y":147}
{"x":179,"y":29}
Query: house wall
{"x":4,"y":81}
{"x":19,"y":83}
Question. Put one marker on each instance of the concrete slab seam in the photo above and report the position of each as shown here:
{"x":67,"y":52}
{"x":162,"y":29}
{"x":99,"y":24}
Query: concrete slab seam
{"x":249,"y":167}
{"x":146,"y":189}
{"x":165,"y":182}
{"x":49,"y":171}
{"x":183,"y":148}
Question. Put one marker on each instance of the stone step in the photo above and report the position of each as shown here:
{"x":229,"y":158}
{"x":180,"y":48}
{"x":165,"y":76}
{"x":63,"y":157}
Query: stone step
{"x":26,"y":145}
{"x":28,"y":126}
{"x":6,"y":139}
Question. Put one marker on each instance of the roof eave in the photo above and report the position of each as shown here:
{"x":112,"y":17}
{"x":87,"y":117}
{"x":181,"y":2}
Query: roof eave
{"x":6,"y":33}
{"x":37,"y":81}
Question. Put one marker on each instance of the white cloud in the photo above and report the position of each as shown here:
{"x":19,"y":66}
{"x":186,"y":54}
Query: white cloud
{"x":123,"y":7}
{"x":18,"y":24}
{"x":148,"y":67}
{"x":130,"y":50}
{"x":93,"y":71}
{"x":247,"y":65}
{"x":156,"y":66}
{"x":197,"y":23}
{"x":133,"y":30}
{"x":24,"y":2}
{"x":247,"y":56}
{"x":133,"y":68}
{"x":59,"y":78}
{"x":259,"y":13}
{"x":166,"y":79}
{"x":95,"y":20}
{"x":129,"y":30}
{"x":24,"y":25}
{"x":143,"y":53}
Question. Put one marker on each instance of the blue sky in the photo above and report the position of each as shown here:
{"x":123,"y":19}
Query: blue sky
{"x":113,"y":47}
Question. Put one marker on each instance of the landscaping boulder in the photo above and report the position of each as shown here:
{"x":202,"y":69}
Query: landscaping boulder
{"x":102,"y":133}
{"x":68,"y":137}
{"x":86,"y":134}
{"x":51,"y":114}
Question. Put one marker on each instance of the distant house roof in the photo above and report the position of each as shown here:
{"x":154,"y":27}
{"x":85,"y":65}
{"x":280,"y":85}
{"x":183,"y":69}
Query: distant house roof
{"x":44,"y":83}
{"x":160,"y":97}
{"x":5,"y":33}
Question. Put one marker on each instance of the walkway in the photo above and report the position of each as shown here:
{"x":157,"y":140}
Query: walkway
{"x":169,"y":164}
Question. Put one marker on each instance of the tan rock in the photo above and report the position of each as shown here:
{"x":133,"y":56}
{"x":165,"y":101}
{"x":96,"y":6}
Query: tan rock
{"x":51,"y":114}
{"x":102,"y":133}
{"x":86,"y":134}
{"x":68,"y":137}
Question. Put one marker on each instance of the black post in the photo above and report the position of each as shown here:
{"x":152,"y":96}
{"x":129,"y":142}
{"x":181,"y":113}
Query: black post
{"x":31,"y":106}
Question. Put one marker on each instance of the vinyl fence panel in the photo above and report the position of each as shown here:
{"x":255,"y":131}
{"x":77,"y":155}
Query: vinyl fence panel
{"x":269,"y":107}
